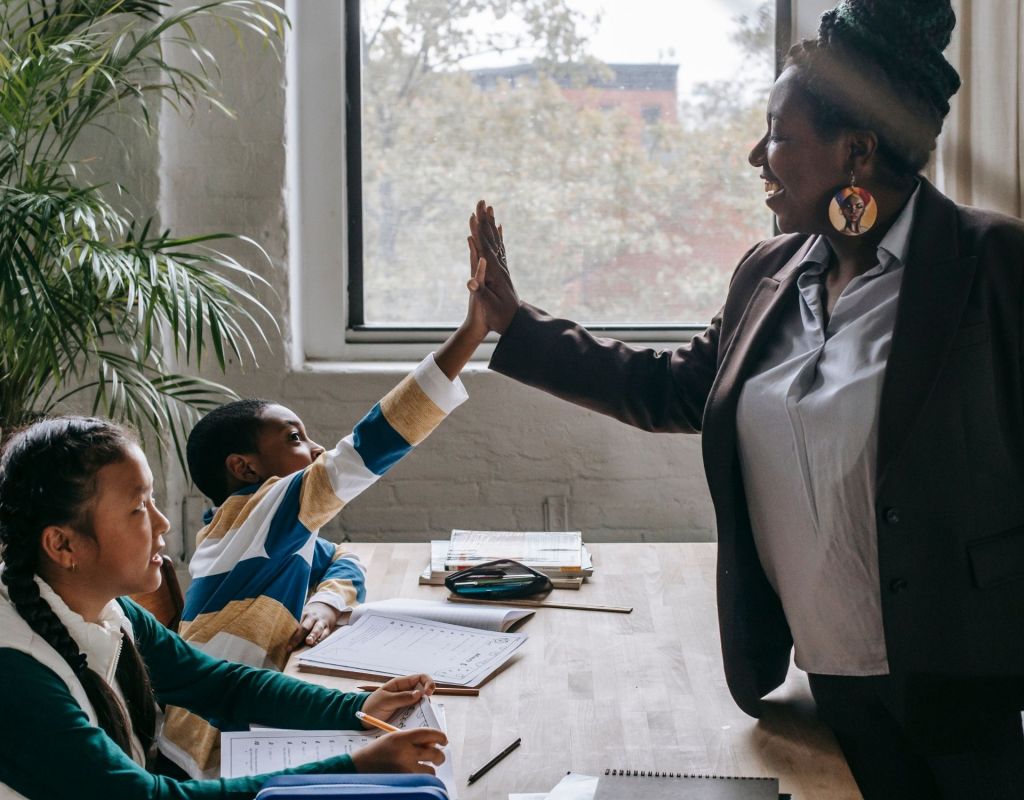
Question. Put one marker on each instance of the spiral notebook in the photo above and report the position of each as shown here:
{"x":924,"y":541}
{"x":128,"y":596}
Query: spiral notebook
{"x":617,"y":784}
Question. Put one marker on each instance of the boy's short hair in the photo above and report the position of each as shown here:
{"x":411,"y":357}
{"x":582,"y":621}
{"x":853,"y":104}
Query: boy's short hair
{"x":230,"y":428}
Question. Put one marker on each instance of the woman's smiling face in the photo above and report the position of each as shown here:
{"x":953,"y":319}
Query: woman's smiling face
{"x":801,"y":168}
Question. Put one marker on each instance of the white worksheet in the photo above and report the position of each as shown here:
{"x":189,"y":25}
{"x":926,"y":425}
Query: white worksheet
{"x":572,"y":787}
{"x":263,"y":750}
{"x":393,"y":645}
{"x":272,"y":749}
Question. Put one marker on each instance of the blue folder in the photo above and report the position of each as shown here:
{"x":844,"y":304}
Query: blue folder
{"x":353,"y":787}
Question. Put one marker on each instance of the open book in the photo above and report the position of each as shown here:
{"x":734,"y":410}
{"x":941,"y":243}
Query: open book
{"x":383,"y":644}
{"x":487,"y":618}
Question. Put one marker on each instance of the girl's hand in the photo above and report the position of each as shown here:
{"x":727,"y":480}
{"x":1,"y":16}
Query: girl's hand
{"x":398,"y":693}
{"x":493,"y":293}
{"x":402,"y":751}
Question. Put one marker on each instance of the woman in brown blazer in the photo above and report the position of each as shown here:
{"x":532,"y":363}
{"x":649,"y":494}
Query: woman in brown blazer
{"x":861,"y":401}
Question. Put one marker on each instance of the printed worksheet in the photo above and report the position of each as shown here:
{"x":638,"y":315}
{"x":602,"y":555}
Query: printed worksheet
{"x":393,"y":645}
{"x":270,"y":749}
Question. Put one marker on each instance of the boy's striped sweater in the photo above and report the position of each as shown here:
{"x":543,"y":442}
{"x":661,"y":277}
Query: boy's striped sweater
{"x":259,"y":561}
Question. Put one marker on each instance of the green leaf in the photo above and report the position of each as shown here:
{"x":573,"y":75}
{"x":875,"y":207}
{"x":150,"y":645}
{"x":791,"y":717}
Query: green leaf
{"x":93,"y":302}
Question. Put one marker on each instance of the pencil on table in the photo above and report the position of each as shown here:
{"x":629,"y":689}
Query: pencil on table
{"x":486,"y":767}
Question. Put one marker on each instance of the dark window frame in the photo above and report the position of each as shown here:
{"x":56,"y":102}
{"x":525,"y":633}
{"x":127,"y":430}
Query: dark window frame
{"x":354,"y":179}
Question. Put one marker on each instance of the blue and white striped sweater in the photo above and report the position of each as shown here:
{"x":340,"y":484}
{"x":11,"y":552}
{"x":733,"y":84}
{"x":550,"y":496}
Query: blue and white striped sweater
{"x":259,"y":560}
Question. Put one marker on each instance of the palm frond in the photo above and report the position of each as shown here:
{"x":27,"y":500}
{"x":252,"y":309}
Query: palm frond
{"x":95,"y":302}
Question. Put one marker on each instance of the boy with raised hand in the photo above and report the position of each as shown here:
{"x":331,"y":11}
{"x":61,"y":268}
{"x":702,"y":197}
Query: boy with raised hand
{"x":263,"y":581}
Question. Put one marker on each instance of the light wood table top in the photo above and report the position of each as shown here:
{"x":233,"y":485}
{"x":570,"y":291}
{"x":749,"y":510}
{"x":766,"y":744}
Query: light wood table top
{"x":645,"y":690}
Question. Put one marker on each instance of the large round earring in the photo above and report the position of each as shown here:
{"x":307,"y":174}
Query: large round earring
{"x":853,"y":210}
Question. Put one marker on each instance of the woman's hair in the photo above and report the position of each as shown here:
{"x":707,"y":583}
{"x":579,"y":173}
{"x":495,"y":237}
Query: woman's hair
{"x":48,"y":477}
{"x":878,"y":65}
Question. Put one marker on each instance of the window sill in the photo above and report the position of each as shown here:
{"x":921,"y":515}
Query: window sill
{"x":394,"y":350}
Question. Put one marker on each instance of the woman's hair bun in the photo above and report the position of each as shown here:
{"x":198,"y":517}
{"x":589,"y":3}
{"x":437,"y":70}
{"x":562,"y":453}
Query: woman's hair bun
{"x":905,"y":38}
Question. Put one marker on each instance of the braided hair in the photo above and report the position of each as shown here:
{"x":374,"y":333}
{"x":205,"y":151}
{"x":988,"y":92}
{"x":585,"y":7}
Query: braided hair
{"x":47,"y":477}
{"x":878,"y":65}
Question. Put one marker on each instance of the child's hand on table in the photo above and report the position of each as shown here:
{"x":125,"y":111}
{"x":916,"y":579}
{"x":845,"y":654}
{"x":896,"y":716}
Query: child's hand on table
{"x":318,"y":620}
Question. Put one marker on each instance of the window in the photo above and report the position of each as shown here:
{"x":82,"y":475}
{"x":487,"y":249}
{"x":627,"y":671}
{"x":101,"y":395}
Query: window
{"x":611,"y":138}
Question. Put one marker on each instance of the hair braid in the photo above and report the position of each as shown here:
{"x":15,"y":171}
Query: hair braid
{"x":24,"y":594}
{"x":47,"y":477}
{"x":40,"y":617}
{"x":133,"y":678}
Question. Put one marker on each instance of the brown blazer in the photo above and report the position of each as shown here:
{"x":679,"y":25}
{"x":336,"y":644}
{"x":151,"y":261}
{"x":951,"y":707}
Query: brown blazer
{"x":950,"y":483}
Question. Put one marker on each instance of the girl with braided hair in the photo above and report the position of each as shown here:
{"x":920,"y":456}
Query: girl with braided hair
{"x":860,"y":398}
{"x":83,"y":668}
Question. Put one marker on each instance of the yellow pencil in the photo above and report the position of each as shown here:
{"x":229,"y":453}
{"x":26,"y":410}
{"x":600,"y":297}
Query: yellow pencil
{"x":377,"y":723}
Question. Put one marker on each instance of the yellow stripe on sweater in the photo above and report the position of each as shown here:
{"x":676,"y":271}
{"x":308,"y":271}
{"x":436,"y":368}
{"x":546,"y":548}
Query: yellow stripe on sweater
{"x":318,"y":503}
{"x":260,"y":620}
{"x":339,"y":586}
{"x":409,"y":410}
{"x":233,"y":513}
{"x":194,"y":735}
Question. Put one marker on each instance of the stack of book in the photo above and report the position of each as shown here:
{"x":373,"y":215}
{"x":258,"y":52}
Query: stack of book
{"x":561,"y":555}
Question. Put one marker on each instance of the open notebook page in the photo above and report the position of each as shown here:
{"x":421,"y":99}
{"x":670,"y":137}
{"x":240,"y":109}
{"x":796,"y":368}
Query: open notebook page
{"x":488,"y":618}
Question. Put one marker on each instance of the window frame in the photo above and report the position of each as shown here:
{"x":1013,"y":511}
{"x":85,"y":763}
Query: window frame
{"x":325,"y":202}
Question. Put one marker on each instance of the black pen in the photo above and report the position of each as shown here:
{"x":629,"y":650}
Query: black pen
{"x":494,"y":761}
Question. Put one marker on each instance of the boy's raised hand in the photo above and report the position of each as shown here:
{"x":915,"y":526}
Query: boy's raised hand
{"x":414,"y":750}
{"x":318,"y":620}
{"x":398,"y":693}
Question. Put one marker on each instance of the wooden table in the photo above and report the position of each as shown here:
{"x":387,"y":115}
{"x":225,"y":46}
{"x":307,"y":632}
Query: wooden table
{"x":643,"y":690}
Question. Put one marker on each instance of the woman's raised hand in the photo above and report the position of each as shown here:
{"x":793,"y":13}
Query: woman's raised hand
{"x":491,"y":284}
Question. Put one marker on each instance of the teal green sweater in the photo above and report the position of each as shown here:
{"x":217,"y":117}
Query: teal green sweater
{"x":48,"y":748}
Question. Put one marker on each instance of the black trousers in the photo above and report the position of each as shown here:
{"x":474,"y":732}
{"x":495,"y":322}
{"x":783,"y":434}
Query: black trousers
{"x":927,"y":737}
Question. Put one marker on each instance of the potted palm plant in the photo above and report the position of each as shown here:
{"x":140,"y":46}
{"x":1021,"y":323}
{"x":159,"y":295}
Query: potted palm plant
{"x":96,"y":303}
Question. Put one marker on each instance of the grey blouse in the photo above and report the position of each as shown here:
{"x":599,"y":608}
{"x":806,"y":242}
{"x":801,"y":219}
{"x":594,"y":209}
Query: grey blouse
{"x":808,"y":427}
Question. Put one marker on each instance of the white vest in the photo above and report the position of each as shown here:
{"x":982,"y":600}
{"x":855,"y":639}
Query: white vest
{"x":100,"y":642}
